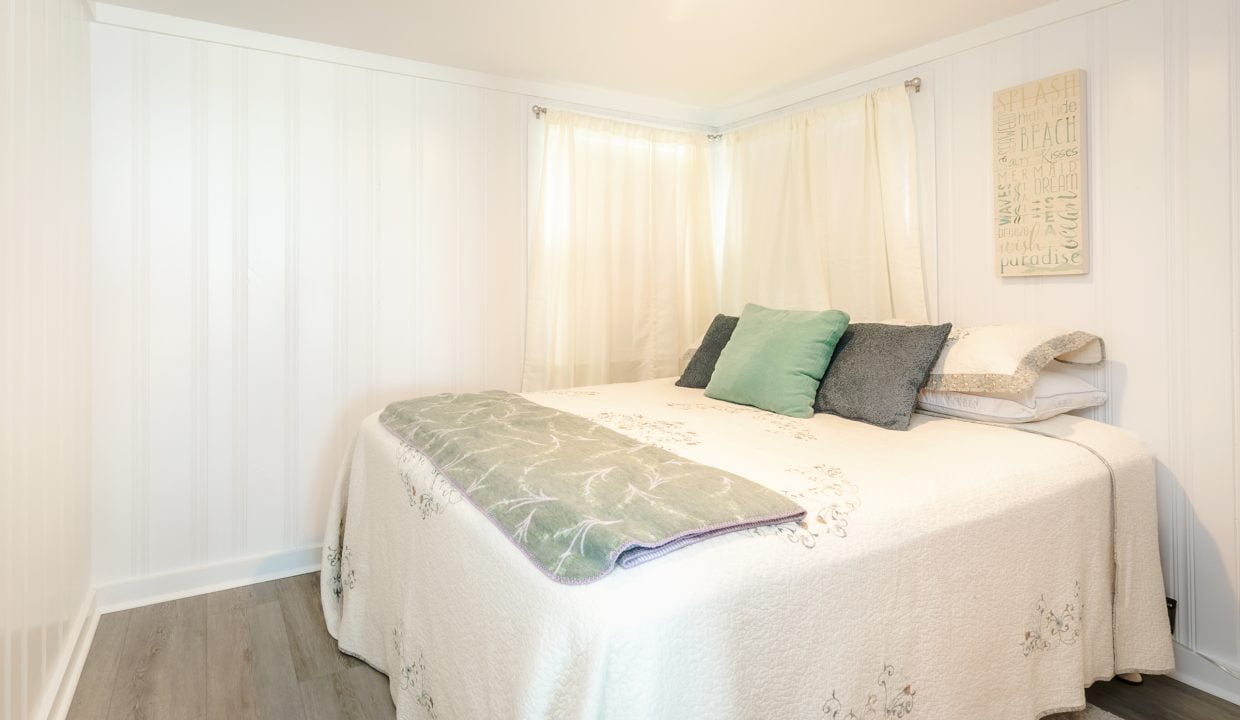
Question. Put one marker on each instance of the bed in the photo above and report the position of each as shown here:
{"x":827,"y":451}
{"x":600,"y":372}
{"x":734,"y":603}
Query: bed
{"x":956,"y":570}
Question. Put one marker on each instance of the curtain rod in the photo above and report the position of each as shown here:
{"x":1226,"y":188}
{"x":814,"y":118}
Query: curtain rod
{"x":913,"y":84}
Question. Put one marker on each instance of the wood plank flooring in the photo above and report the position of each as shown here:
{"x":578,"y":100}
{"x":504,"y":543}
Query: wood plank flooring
{"x":262,"y":652}
{"x":1160,"y":698}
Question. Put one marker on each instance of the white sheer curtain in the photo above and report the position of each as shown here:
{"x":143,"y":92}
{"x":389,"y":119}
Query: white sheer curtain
{"x":621,"y":268}
{"x":821,"y":211}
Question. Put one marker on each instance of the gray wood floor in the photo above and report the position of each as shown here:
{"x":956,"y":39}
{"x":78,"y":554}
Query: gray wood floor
{"x":1160,"y":698}
{"x":263,"y":652}
{"x":260,"y":651}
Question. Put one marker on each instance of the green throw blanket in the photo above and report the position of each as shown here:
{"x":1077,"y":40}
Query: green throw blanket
{"x":576,"y":497}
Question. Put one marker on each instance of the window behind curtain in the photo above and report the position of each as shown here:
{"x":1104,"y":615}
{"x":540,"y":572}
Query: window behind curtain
{"x":821,"y":211}
{"x":621,"y":266}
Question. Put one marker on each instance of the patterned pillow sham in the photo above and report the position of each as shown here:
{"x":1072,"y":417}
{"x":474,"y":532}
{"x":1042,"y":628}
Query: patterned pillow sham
{"x":1055,"y":392}
{"x":1008,"y":358}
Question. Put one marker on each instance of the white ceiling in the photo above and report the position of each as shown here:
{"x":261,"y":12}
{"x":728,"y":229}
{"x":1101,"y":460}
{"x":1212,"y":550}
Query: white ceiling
{"x":708,"y":53}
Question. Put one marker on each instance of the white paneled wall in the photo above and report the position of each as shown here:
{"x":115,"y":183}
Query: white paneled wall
{"x":1164,"y":281}
{"x":282,"y":246}
{"x":44,"y":345}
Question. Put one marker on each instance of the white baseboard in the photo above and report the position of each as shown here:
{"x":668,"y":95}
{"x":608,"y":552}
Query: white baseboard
{"x":1193,"y":669}
{"x":64,"y":678}
{"x":206,"y":578}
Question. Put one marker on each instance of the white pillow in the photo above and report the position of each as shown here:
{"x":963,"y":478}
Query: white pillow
{"x":1055,"y":392}
{"x":992,"y":359}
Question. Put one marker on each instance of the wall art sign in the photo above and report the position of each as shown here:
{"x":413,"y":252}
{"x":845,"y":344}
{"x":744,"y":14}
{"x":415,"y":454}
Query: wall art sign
{"x":1039,"y":174}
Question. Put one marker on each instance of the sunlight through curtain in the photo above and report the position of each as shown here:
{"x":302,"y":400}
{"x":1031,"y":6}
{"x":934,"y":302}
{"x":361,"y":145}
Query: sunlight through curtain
{"x":821,"y":211}
{"x":621,"y":267}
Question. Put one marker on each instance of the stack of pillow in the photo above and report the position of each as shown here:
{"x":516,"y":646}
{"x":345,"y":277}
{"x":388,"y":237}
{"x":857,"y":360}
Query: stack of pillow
{"x":1012,"y":374}
{"x":797,"y":363}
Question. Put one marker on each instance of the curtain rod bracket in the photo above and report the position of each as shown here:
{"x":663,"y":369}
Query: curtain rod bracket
{"x":914,"y":84}
{"x":714,"y":136}
{"x":539,"y":111}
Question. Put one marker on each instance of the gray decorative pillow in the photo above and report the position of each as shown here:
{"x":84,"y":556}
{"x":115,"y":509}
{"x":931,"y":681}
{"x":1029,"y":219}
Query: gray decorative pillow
{"x":877,"y":370}
{"x":702,"y":365}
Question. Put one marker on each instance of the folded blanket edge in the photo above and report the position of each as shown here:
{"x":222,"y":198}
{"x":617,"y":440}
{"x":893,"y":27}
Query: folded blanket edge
{"x":626,"y":556}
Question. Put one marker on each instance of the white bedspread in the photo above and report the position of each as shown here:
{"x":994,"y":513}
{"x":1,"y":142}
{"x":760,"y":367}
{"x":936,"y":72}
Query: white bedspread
{"x":956,"y":570}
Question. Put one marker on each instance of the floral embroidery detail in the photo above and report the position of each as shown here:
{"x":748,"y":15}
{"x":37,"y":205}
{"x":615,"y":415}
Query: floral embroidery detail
{"x":785,"y":426}
{"x":955,"y":336}
{"x":660,"y":433}
{"x":797,"y":532}
{"x":776,"y":424}
{"x":893,"y":699}
{"x":834,"y":496}
{"x":413,"y":675}
{"x":1054,"y":627}
{"x":348,"y":576}
{"x":435,"y":499}
{"x":333,"y":561}
{"x":335,"y":556}
{"x":342,"y":573}
{"x":727,"y":409}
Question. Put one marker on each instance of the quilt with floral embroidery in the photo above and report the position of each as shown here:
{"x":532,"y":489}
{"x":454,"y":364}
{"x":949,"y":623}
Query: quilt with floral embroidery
{"x":956,"y":571}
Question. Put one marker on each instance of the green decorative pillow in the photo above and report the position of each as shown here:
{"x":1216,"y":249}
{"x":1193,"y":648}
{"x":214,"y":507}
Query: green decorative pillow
{"x":775,"y":359}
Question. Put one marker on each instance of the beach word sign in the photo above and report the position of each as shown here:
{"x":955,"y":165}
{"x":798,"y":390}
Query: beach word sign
{"x":1039,"y":177}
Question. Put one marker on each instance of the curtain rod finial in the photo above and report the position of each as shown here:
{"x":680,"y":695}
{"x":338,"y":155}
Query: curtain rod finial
{"x":539,"y":110}
{"x":914,"y":84}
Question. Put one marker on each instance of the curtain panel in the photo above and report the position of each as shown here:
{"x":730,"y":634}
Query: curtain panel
{"x":822,"y":213}
{"x":621,"y":265}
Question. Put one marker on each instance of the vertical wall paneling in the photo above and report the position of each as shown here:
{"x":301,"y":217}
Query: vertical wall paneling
{"x":199,"y":321}
{"x":139,"y":300}
{"x":292,"y":243}
{"x":44,"y":347}
{"x":165,"y":357}
{"x":240,"y":299}
{"x":282,"y":246}
{"x":111,"y":267}
{"x":218,"y":232}
{"x":265,"y":99}
{"x":318,"y":294}
{"x":1163,"y":282}
{"x":1179,"y":542}
{"x":1234,"y":113}
{"x":1209,"y":426}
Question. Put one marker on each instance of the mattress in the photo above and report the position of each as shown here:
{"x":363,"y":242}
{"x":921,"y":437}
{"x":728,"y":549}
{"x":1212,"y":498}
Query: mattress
{"x":956,"y":570}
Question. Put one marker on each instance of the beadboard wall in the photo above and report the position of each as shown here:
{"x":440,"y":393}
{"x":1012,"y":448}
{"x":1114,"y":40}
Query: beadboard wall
{"x":1164,"y":282}
{"x":282,"y":246}
{"x":44,"y":346}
